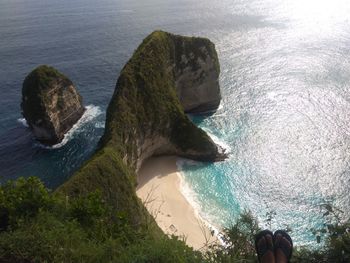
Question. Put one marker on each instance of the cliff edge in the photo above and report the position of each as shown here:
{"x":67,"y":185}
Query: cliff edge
{"x":145,"y":118}
{"x":50,"y":104}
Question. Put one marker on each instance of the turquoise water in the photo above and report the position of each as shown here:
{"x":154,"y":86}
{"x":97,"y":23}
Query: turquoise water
{"x":286,"y":96}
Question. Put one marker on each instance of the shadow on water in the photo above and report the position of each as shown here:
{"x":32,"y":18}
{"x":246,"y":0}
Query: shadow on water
{"x":16,"y":151}
{"x":198,"y":118}
{"x":21,"y":155}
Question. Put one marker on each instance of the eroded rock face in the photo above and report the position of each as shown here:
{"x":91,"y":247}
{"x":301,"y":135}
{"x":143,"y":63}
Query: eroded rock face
{"x":197,"y":72}
{"x":167,"y":76}
{"x":50,"y":104}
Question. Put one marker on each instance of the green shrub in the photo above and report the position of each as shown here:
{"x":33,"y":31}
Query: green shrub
{"x":38,"y":226}
{"x":88,"y":209}
{"x":239,"y":242}
{"x":22,"y":199}
{"x":164,"y":250}
{"x":54,"y":228}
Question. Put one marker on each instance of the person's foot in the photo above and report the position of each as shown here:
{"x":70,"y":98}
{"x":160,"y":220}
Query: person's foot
{"x":283,"y":246}
{"x":264,"y":247}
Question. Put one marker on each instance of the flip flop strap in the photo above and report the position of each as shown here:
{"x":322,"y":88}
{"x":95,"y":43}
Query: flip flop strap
{"x":262,"y":252}
{"x":286,"y":252}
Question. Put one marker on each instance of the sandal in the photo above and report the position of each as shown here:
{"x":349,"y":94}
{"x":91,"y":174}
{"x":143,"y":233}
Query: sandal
{"x":262,"y":251}
{"x":286,"y":251}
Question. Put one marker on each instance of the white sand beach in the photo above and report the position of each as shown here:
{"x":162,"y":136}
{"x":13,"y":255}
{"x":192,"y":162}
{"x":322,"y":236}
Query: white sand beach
{"x":159,"y":189}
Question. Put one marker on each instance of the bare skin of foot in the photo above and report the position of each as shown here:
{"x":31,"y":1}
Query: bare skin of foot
{"x":263,"y":244}
{"x":281,"y":242}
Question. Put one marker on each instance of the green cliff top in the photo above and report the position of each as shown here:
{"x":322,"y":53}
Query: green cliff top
{"x":41,"y":78}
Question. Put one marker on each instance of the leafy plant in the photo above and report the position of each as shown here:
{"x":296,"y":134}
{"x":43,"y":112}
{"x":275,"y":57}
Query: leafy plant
{"x":22,"y":199}
{"x":238,"y":242}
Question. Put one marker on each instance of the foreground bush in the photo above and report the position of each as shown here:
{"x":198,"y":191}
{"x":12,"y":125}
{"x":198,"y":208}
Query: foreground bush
{"x":39,"y":226}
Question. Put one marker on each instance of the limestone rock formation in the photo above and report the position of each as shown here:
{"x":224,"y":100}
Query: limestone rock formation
{"x":196,"y":71}
{"x":50,"y":104}
{"x":146,"y":118}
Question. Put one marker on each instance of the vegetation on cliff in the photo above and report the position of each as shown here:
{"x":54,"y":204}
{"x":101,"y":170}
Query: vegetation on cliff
{"x":37,"y":225}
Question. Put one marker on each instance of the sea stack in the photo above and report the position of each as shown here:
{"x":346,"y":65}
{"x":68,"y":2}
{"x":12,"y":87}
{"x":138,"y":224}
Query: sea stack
{"x":50,"y":104}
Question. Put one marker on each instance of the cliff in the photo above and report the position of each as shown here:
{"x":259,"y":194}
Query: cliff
{"x":145,"y":118}
{"x":196,"y":72}
{"x":50,"y":104}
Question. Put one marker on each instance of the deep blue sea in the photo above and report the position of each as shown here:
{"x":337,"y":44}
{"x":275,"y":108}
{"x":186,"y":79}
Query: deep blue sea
{"x":284,"y":117}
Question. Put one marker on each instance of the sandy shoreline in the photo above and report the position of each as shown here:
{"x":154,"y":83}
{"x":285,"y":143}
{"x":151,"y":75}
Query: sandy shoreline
{"x":159,"y":189}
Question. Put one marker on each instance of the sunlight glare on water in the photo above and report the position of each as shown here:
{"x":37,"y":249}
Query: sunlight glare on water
{"x":286,"y":117}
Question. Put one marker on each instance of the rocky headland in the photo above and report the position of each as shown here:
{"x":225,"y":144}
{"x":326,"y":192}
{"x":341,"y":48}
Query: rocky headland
{"x":166,"y":76}
{"x":50,"y":104}
{"x":159,"y":83}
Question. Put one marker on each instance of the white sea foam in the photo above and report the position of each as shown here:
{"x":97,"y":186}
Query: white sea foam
{"x":23,"y":122}
{"x":192,"y":199}
{"x":91,"y":113}
{"x":100,"y":125}
{"x":221,"y":106}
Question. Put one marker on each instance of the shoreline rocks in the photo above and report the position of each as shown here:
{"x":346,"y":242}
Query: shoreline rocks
{"x":50,"y":104}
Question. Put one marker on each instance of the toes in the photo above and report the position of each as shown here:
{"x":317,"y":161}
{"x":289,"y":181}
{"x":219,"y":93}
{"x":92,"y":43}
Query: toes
{"x":262,"y":243}
{"x":269,"y":241}
{"x":282,"y":241}
{"x":286,"y":242}
{"x":278,"y":239}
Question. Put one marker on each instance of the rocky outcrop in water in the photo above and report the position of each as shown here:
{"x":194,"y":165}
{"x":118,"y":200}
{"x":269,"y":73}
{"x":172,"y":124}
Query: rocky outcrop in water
{"x":50,"y":104}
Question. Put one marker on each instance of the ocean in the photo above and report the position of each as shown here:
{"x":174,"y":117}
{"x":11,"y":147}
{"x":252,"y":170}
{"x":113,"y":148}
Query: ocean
{"x":284,"y":116}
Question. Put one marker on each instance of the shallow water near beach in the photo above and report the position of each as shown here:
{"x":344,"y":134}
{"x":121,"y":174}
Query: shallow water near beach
{"x":284,"y":117}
